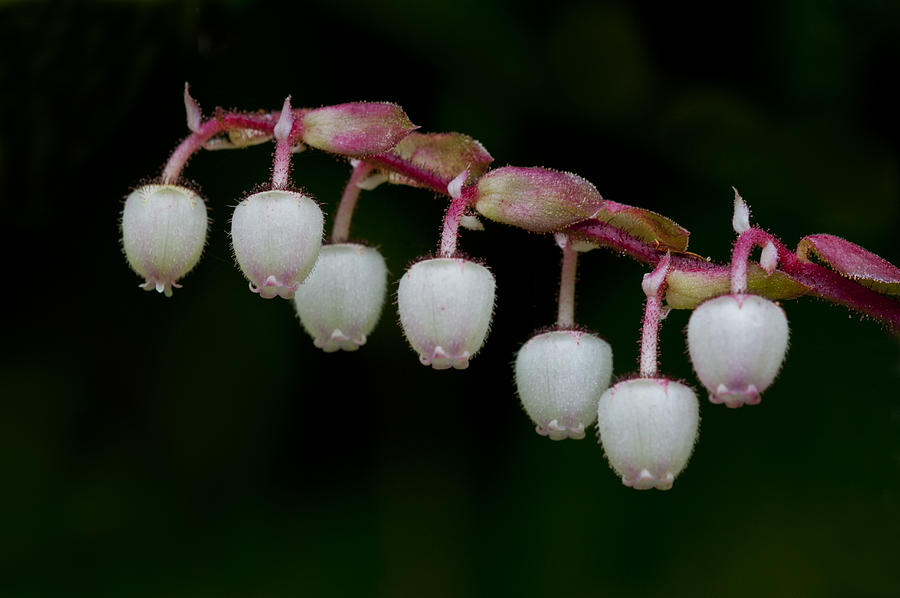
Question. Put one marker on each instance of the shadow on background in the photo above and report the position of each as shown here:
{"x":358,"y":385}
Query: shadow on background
{"x":201,"y":446}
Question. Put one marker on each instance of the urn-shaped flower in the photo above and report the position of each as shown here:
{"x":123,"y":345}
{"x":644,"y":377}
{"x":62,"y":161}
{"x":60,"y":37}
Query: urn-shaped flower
{"x":445,"y":307}
{"x":560,"y":376}
{"x":737,"y":344}
{"x":276,"y":237}
{"x":648,"y":427}
{"x":340,"y":301}
{"x":163,"y":233}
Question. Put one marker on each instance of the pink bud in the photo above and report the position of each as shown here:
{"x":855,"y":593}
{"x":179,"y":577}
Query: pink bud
{"x":276,"y":237}
{"x":356,"y":129}
{"x":536,"y":199}
{"x":737,"y":344}
{"x":445,"y":309}
{"x":163,"y":232}
{"x":648,"y":427}
{"x":560,"y":376}
{"x":340,"y":301}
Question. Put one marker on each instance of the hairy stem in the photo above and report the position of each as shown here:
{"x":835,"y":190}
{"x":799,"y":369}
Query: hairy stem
{"x":223,"y":121}
{"x":340,"y":232}
{"x":281,"y":167}
{"x":452,"y":217}
{"x":566,"y":313}
{"x":654,"y":285}
{"x":426,"y":178}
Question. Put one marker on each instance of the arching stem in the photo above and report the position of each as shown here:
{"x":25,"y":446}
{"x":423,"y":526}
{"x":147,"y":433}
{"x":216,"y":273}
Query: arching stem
{"x":746,"y":241}
{"x":224,"y":121}
{"x":340,"y":231}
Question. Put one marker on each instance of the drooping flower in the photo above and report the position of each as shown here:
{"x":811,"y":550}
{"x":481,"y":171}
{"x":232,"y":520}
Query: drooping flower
{"x":340,"y":301}
{"x":276,"y":237}
{"x":445,"y":307}
{"x":163,"y":233}
{"x":648,"y":427}
{"x":560,"y":376}
{"x":737,"y":344}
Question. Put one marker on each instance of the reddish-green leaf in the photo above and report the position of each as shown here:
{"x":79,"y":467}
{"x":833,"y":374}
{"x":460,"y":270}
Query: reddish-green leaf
{"x":689,"y":288}
{"x":852,"y":261}
{"x":443,"y":154}
{"x":645,"y":225}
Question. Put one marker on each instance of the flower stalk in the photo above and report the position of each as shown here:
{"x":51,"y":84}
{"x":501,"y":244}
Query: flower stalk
{"x":340,"y":231}
{"x":566,"y":313}
{"x":654,"y":286}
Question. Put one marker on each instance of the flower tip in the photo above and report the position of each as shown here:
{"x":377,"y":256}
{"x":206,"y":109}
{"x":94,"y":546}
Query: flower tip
{"x":192,"y":109}
{"x":647,"y":481}
{"x":441,"y":360}
{"x":734,"y":397}
{"x":285,"y":121}
{"x":740,"y":220}
{"x":556,"y":431}
{"x":338,"y":341}
{"x":653,"y":281}
{"x":454,"y":187}
{"x":768,"y":258}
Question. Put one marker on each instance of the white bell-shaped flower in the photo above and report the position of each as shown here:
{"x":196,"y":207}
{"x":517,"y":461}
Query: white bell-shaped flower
{"x":737,"y":344}
{"x":340,"y":301}
{"x":276,"y":237}
{"x":445,"y":307}
{"x":648,"y":427}
{"x":560,"y":376}
{"x":163,"y":233}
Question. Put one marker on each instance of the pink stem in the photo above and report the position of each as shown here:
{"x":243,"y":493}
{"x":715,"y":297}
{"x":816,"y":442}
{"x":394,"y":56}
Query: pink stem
{"x":821,"y":281}
{"x":654,"y":286}
{"x":746,"y":241}
{"x":452,"y":217}
{"x":341,"y":230}
{"x":831,"y":286}
{"x":624,"y":243}
{"x":566,"y":314}
{"x":398,"y":165}
{"x":281,"y":167}
{"x":223,"y":121}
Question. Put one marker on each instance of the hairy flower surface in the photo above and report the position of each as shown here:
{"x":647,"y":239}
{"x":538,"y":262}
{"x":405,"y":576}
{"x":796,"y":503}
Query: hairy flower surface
{"x":445,"y":307}
{"x":560,"y":376}
{"x":276,"y":237}
{"x":340,"y":301}
{"x":737,"y":344}
{"x":163,"y":233}
{"x":648,"y":427}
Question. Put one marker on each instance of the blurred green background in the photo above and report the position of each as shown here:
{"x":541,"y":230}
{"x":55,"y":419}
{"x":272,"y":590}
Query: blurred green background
{"x":200,"y":446}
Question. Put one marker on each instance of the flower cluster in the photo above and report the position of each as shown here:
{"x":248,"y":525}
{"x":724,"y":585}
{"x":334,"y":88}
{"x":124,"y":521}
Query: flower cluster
{"x":648,"y":424}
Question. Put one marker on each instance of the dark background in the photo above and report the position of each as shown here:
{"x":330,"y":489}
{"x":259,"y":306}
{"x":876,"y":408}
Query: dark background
{"x":200,"y":446}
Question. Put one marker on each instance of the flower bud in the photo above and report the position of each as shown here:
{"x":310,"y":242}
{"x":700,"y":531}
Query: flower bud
{"x":648,"y":427}
{"x":737,"y":344}
{"x":163,"y":232}
{"x":340,"y":301}
{"x":536,"y":199}
{"x":560,"y":376}
{"x":276,"y":237}
{"x":356,"y":129}
{"x":445,"y":309}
